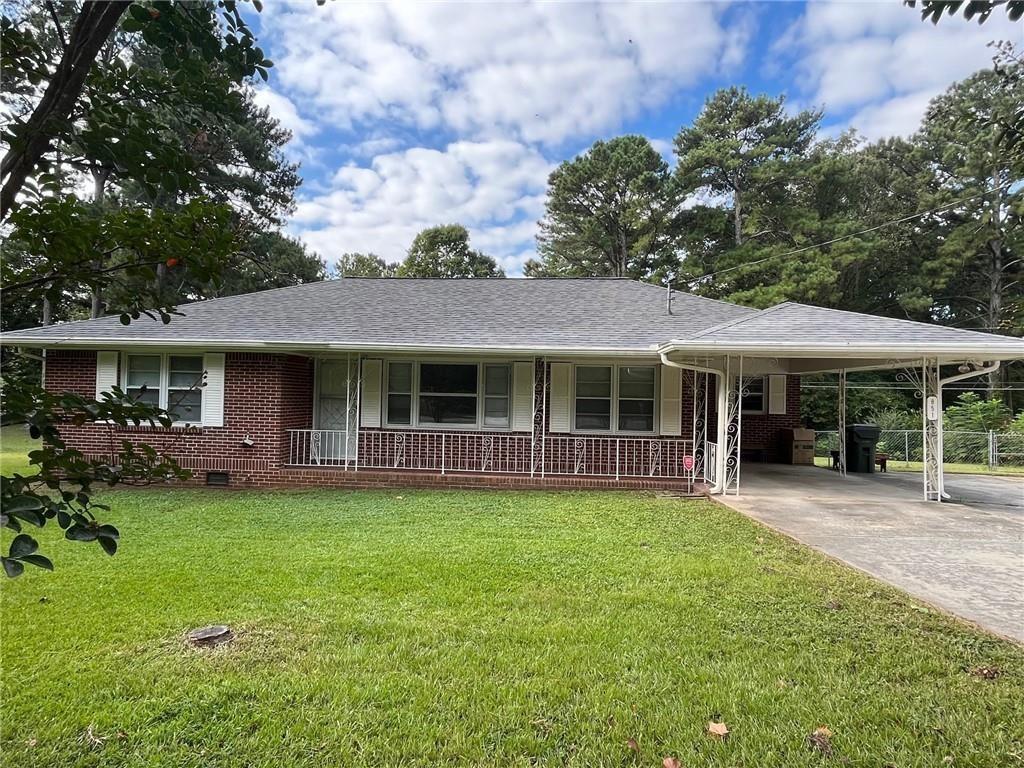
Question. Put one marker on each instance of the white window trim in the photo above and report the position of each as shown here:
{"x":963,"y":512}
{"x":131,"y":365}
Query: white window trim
{"x":414,"y":407}
{"x":764,"y":398}
{"x":614,"y":424}
{"x":165,"y":379}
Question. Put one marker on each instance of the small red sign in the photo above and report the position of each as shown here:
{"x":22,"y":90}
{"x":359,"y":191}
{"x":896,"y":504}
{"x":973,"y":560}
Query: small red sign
{"x":687,"y":463}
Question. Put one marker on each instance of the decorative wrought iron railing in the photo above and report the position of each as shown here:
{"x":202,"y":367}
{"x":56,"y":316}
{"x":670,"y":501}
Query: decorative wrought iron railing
{"x":666,"y":457}
{"x":320,"y":447}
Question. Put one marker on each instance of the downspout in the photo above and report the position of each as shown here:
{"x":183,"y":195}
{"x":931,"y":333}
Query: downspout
{"x":720,"y":420}
{"x":983,"y":371}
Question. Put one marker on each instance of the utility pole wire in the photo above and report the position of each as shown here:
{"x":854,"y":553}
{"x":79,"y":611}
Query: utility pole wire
{"x":911,"y":217}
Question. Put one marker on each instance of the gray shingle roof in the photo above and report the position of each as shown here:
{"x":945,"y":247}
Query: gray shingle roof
{"x":801,"y":324}
{"x":566,"y":313}
{"x":585,"y":314}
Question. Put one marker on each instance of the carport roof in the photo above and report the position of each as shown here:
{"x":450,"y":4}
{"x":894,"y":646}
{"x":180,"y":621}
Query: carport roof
{"x":804,"y":330}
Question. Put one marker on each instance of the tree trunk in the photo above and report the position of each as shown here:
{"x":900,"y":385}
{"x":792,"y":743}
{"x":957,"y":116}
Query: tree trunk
{"x":737,"y":213}
{"x":99,"y":180}
{"x":94,"y":24}
{"x":995,"y":278}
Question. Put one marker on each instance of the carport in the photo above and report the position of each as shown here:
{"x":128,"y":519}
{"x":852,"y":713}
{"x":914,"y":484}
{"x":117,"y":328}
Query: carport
{"x":967,"y":558}
{"x":798,"y":339}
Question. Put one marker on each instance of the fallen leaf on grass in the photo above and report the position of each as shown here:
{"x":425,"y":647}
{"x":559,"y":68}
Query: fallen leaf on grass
{"x":821,"y":740}
{"x":671,"y":762}
{"x":632,"y":744}
{"x":987,"y":673}
{"x":92,"y":738}
{"x":31,"y":742}
{"x":718,"y":730}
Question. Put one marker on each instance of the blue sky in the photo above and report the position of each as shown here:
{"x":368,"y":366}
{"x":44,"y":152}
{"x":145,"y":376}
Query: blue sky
{"x":408,"y":115}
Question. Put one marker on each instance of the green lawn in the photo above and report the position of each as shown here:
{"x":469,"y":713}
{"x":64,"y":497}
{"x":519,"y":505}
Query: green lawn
{"x":453,"y":628}
{"x":950,"y":467}
{"x":14,"y":445}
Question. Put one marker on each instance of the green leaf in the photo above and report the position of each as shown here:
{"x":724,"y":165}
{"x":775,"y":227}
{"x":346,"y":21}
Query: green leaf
{"x":79,"y":532}
{"x":22,"y":545}
{"x":22,"y":504}
{"x":12,"y":567}
{"x":109,"y":545}
{"x":40,"y":561}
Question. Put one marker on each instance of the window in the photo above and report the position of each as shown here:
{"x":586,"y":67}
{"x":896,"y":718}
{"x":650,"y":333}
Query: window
{"x":636,"y":398}
{"x":184,"y":388}
{"x":617,"y":398}
{"x":448,"y":394}
{"x":496,"y":392}
{"x":173,"y":382}
{"x":752,"y":395}
{"x":594,"y":397}
{"x":400,"y":393}
{"x":144,"y":378}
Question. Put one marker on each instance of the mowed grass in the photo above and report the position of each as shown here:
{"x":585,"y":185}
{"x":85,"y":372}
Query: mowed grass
{"x":481,"y":628}
{"x":15,"y":444}
{"x":956,"y":468}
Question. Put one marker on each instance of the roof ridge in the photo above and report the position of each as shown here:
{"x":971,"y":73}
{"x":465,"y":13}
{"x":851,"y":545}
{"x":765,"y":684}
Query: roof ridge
{"x":887,"y":317}
{"x":757,"y":313}
{"x":690,"y":295}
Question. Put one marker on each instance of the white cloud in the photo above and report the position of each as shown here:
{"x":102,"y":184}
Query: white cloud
{"x":880,"y":62}
{"x":495,"y":188}
{"x":282,"y":108}
{"x":541,"y":72}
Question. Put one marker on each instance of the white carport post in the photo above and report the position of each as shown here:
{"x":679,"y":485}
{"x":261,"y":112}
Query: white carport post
{"x":842,"y":421}
{"x":931,"y":429}
{"x":932,"y":384}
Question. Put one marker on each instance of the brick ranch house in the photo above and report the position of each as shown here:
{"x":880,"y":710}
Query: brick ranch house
{"x":509,"y":382}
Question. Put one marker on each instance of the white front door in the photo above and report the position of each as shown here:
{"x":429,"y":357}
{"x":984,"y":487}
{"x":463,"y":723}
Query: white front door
{"x":336,"y":408}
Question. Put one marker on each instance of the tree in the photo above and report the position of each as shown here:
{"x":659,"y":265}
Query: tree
{"x":184,"y":32}
{"x":610,"y":211}
{"x":364,"y":265}
{"x":65,"y":244}
{"x":981,"y":9}
{"x":444,"y":251}
{"x":270,"y":260}
{"x":972,"y":414}
{"x":742,"y":147}
{"x":195,"y":122}
{"x":980,"y":261}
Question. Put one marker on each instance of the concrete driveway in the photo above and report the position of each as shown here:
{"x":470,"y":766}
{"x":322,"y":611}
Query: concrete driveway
{"x":965,"y":557}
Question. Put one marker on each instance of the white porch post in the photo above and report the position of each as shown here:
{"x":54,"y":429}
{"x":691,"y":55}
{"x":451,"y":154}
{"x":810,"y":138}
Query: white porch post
{"x":732,"y":419}
{"x":722,"y":431}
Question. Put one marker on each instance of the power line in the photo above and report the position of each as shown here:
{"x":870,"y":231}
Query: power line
{"x":852,"y":234}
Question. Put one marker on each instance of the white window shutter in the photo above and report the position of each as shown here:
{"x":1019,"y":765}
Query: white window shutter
{"x":522,"y":396}
{"x":106,"y":372}
{"x":213,"y":389}
{"x":561,"y":397}
{"x":671,"y":401}
{"x":369,"y":398}
{"x":777,"y":394}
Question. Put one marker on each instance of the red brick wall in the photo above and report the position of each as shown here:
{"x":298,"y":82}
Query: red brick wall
{"x":760,"y":430}
{"x":264,"y":396}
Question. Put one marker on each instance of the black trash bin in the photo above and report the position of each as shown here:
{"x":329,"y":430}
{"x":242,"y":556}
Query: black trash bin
{"x":860,"y":447}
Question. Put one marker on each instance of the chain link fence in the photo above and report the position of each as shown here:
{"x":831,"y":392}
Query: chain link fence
{"x":905,"y":448}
